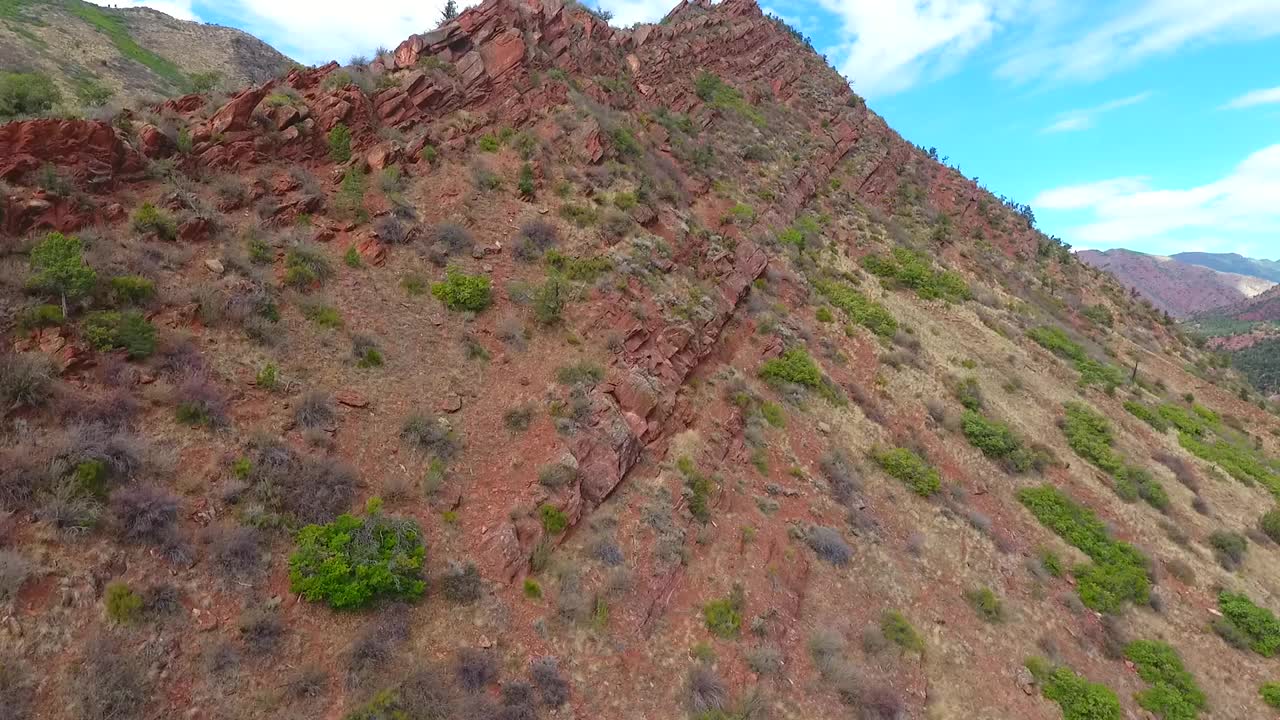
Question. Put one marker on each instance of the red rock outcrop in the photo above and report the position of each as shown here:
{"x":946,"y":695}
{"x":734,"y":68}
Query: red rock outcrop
{"x":93,"y":154}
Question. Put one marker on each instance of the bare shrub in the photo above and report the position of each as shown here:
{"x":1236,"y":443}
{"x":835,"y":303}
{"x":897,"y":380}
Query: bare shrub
{"x":1181,"y":469}
{"x":829,"y":545}
{"x":26,"y":380}
{"x":765,"y":659}
{"x":461,"y":583}
{"x":161,"y":600}
{"x":108,"y":682}
{"x":376,"y":644}
{"x":145,"y":514}
{"x":475,"y":669}
{"x":545,"y":673}
{"x":305,"y":488}
{"x":431,"y":435}
{"x":261,"y":629}
{"x":880,"y":702}
{"x":518,"y":701}
{"x":16,"y":687}
{"x":534,"y":239}
{"x":315,"y":410}
{"x":14,"y":571}
{"x":115,"y":410}
{"x":705,"y":690}
{"x":838,"y":468}
{"x":446,"y":240}
{"x":236,"y":551}
{"x":394,"y":231}
{"x":119,"y":453}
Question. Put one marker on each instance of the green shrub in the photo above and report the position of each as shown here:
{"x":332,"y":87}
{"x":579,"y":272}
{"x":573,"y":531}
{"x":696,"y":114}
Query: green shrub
{"x":577,"y":269}
{"x":911,"y":469}
{"x":724,"y":615}
{"x":914,"y":270}
{"x":986,"y":604}
{"x":549,"y":300}
{"x":131,"y":290}
{"x":305,"y":267}
{"x":1173,"y":694}
{"x":554,"y":521}
{"x":1118,"y":573}
{"x":1089,"y":434}
{"x":1056,"y":341}
{"x":349,"y":202}
{"x":998,"y":442}
{"x":583,"y":373}
{"x":150,"y":219}
{"x":322,"y":315}
{"x":859,"y":309}
{"x":898,"y":630}
{"x":1239,"y":461}
{"x":525,"y":185}
{"x":1141,"y":484}
{"x":1099,"y":315}
{"x":122,"y":603}
{"x":128,"y":331}
{"x":1185,"y":420}
{"x":352,"y":561}
{"x":268,"y":377}
{"x":26,"y":94}
{"x":1078,"y":698}
{"x":823,"y":315}
{"x":773,"y":414}
{"x":698,"y":488}
{"x":1147,"y":415}
{"x":532,"y":589}
{"x":460,"y":291}
{"x":793,"y":366}
{"x":1270,"y":693}
{"x":1270,"y":524}
{"x":1229,"y":548}
{"x":58,"y":266}
{"x":352,"y":258}
{"x":414,"y":284}
{"x":489,"y":143}
{"x":580,"y":215}
{"x":725,"y":97}
{"x":339,"y":139}
{"x":41,"y":316}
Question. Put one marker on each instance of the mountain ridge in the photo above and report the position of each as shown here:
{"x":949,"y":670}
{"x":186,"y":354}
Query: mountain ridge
{"x":1179,"y":288}
{"x":629,"y":373}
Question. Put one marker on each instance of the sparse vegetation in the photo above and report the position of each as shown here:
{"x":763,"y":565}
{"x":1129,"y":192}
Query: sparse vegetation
{"x":914,"y":270}
{"x":859,"y":309}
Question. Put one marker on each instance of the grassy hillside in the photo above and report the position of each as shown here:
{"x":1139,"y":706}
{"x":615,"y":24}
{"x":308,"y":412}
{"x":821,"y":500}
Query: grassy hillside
{"x":68,"y":55}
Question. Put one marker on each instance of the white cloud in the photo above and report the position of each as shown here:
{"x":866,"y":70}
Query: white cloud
{"x":887,"y":46}
{"x":1265,"y":96}
{"x":1085,"y":118}
{"x":1140,"y":31}
{"x":1240,"y":207}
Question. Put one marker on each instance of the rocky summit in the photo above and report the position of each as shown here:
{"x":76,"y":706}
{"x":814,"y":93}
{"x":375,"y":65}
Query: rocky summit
{"x":539,"y":368}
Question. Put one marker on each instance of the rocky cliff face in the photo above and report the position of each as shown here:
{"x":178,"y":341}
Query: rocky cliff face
{"x":686,"y":291}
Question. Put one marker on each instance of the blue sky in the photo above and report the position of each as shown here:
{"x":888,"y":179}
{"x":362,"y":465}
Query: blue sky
{"x":1147,"y":124}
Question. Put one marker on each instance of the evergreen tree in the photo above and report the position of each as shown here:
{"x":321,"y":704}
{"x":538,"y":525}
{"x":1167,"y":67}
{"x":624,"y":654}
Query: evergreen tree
{"x":450,"y":12}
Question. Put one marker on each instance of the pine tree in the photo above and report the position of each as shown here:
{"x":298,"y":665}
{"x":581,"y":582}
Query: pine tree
{"x":59,"y":266}
{"x":450,"y":12}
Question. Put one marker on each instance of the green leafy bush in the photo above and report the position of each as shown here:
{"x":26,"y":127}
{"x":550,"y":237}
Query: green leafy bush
{"x":914,"y":270}
{"x":724,"y":615}
{"x":725,"y":97}
{"x":860,"y":309}
{"x":26,"y":94}
{"x":1270,"y":693}
{"x":898,"y":630}
{"x":1089,"y":434}
{"x":352,"y":561}
{"x":1187,"y":421}
{"x":1056,"y":341}
{"x":554,"y":521}
{"x":911,"y":469}
{"x":1078,"y":698}
{"x":128,"y":331}
{"x":1269,"y":523}
{"x":460,"y":291}
{"x":131,"y":290}
{"x":986,"y":604}
{"x":40,"y":316}
{"x":1173,"y":694}
{"x":149,"y":219}
{"x":1147,"y":415}
{"x":998,"y":442}
{"x":1240,"y":461}
{"x":306,"y":266}
{"x":122,"y":603}
{"x":1118,"y":573}
{"x":349,"y":202}
{"x":339,"y":139}
{"x":793,"y":366}
{"x":698,"y":488}
{"x":58,"y":267}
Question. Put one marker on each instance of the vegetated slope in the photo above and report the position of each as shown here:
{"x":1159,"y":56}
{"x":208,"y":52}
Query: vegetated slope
{"x":646,"y":371}
{"x":1233,"y":263}
{"x":97,"y":55}
{"x":1178,"y":288}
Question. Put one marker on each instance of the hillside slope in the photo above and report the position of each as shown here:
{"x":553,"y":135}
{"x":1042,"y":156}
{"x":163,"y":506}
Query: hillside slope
{"x":97,"y":54}
{"x":1233,"y":263}
{"x":1178,"y":288}
{"x":545,"y":369}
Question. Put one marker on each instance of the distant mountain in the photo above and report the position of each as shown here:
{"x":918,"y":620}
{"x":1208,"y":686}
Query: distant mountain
{"x":1233,"y":263}
{"x":1179,"y":288}
{"x":97,"y":55}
